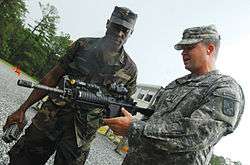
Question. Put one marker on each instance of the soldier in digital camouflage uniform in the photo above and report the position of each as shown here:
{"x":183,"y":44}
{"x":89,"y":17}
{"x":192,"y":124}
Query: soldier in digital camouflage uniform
{"x":64,"y":127}
{"x":191,"y":114}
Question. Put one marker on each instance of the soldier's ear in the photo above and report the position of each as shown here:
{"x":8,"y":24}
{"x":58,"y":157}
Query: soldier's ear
{"x":131,"y":32}
{"x":107,"y":23}
{"x":210,"y":48}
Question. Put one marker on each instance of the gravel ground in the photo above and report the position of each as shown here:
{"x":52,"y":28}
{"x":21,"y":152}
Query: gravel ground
{"x":12,"y":96}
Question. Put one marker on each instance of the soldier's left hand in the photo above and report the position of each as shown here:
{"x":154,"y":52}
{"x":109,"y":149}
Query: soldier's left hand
{"x":120,"y":125}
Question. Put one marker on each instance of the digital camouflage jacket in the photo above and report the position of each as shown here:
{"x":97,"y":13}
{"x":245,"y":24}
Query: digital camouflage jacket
{"x":192,"y":114}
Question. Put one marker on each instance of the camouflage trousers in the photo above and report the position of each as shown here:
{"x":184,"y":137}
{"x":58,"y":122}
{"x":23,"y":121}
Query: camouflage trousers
{"x":59,"y":129}
{"x":35,"y":148}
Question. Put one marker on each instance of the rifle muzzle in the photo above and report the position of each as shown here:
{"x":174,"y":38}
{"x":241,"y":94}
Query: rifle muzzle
{"x":25,"y":83}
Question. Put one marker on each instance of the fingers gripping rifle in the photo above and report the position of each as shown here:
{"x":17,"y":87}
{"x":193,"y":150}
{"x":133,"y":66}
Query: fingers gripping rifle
{"x":85,"y":93}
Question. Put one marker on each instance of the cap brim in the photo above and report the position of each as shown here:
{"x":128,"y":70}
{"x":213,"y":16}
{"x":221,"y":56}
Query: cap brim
{"x":179,"y":45}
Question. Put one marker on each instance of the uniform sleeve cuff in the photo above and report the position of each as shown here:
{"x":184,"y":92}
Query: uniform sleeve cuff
{"x":135,"y":131}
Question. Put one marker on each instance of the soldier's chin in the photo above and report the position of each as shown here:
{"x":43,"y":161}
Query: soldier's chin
{"x":118,"y":43}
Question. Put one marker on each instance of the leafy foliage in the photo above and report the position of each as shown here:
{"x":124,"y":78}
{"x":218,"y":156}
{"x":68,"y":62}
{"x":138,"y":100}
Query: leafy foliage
{"x":11,"y":20}
{"x":220,"y":160}
{"x":35,"y":49}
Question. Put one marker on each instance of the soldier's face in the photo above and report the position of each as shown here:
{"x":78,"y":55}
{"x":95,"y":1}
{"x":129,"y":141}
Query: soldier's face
{"x":117,"y":34}
{"x":195,"y":57}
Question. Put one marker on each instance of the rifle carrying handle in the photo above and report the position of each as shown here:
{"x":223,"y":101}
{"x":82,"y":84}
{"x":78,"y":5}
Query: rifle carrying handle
{"x":25,"y":83}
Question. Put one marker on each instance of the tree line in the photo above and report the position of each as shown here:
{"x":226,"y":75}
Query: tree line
{"x":35,"y":49}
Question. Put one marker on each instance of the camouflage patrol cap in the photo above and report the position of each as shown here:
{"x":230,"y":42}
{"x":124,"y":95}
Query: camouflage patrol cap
{"x":194,"y":35}
{"x":124,"y":16}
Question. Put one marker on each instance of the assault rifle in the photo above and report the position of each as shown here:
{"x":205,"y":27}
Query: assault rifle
{"x":80,"y":92}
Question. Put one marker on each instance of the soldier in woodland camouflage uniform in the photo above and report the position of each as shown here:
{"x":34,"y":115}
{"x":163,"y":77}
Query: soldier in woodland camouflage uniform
{"x":64,"y":127}
{"x":191,"y":114}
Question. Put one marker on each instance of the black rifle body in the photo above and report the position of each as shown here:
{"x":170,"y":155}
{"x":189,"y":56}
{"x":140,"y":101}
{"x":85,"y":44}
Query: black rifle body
{"x":91,"y":94}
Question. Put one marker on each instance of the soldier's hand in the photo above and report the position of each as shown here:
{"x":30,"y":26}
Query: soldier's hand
{"x":16,"y":117}
{"x":120,"y":125}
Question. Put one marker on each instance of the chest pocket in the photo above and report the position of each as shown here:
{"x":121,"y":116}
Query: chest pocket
{"x":121,"y":76}
{"x":172,"y":97}
{"x":84,"y":64}
{"x":87,"y":62}
{"x":111,"y":75}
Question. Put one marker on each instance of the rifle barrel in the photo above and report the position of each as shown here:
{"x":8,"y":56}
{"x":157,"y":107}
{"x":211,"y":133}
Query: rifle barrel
{"x":29,"y":84}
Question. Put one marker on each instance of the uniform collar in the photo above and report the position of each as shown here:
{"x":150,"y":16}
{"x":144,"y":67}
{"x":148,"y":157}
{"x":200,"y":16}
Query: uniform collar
{"x":194,"y":77}
{"x":121,"y":53}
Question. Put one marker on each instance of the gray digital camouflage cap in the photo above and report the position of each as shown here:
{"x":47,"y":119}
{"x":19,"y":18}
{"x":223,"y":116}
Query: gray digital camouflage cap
{"x":194,"y":35}
{"x":124,"y":16}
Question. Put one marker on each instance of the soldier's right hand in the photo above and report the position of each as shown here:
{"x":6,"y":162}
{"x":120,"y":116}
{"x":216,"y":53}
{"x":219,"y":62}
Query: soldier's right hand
{"x":16,"y":117}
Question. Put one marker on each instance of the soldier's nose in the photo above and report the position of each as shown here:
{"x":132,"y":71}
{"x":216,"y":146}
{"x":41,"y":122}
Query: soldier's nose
{"x":121,"y":34}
